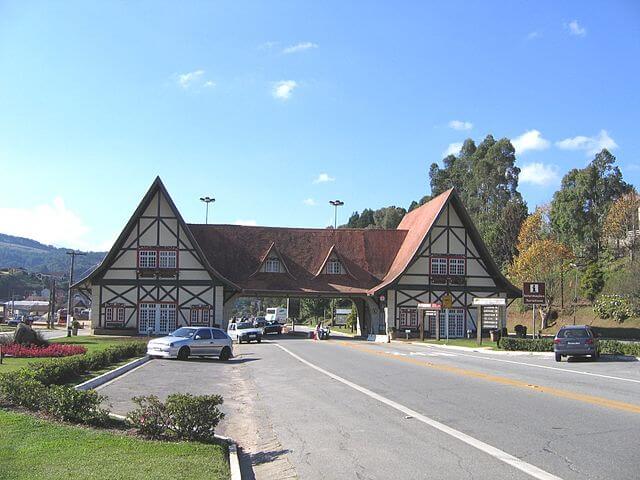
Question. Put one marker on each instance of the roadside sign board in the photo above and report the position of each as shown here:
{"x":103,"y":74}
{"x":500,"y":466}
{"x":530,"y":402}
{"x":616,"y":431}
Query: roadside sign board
{"x":447,"y":301}
{"x":500,"y":302}
{"x":533,"y":293}
{"x":430,"y":306}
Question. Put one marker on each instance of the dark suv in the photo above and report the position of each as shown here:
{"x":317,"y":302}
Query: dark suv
{"x":576,"y":341}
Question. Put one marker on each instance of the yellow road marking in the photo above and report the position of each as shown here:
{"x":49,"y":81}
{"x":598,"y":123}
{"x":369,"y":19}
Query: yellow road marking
{"x":599,"y":401}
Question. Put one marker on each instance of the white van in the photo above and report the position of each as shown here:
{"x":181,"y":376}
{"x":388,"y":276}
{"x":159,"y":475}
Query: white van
{"x":277,"y":314}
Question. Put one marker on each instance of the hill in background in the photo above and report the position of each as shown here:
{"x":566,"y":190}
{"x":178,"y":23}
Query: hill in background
{"x":19,"y":252}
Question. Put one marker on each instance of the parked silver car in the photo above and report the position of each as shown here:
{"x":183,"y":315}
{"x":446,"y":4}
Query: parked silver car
{"x":192,"y":341}
{"x":576,"y":341}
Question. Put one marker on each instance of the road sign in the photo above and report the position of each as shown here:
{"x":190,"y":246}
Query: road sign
{"x":447,"y":301}
{"x":430,"y":306}
{"x":500,"y":302}
{"x":533,"y":293}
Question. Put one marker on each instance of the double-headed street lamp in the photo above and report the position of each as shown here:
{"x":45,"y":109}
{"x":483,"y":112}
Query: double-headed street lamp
{"x":207,"y":200}
{"x":336,"y":204}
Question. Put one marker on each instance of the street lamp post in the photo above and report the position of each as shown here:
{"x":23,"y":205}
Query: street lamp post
{"x":207,"y":200}
{"x":336,"y":204}
{"x":73,"y":261}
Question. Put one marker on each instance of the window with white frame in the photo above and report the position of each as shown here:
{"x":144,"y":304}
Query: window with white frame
{"x":438,"y":266}
{"x":457,"y":266}
{"x":408,"y":318}
{"x":168,"y":259}
{"x":334,"y":267}
{"x":147,"y":258}
{"x":200,"y":315}
{"x":272,"y":265}
{"x":114,"y":314}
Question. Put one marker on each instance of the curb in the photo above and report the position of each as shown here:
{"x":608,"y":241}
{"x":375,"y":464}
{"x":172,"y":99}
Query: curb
{"x":110,"y":375}
{"x":234,"y":459}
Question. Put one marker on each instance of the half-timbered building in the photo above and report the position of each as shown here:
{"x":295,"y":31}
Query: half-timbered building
{"x":162,"y":273}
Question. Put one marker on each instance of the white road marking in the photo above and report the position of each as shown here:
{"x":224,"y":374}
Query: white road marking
{"x":496,"y":453}
{"x":578,"y":372}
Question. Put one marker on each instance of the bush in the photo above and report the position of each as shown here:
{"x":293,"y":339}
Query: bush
{"x":71,"y":405}
{"x":181,"y":417}
{"x":616,"y":307}
{"x":52,"y":350}
{"x":521,"y":331}
{"x":527,"y":344}
{"x":21,"y":389}
{"x":613,"y":347}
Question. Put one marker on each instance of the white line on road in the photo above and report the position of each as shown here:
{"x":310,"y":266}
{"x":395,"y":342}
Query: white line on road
{"x":579,"y":372}
{"x":480,"y":445}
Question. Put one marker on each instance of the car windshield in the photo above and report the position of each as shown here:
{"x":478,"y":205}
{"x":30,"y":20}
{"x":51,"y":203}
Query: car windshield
{"x":184,"y":332}
{"x":244,"y":325}
{"x":574,"y":333}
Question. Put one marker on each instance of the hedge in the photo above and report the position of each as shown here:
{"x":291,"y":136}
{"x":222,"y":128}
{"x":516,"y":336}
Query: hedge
{"x":607,"y":347}
{"x":40,"y":385}
{"x":527,"y":344}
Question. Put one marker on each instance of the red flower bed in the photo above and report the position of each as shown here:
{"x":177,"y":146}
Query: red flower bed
{"x":53,"y":350}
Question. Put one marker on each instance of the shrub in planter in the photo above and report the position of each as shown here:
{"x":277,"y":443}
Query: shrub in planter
{"x":617,"y":307}
{"x":71,"y":405}
{"x":527,"y":344}
{"x":194,"y":417}
{"x":20,"y":389}
{"x":181,"y":417}
{"x":150,"y":418}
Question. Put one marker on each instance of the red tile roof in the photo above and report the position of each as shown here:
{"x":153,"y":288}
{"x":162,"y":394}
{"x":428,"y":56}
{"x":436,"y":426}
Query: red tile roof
{"x":237,"y":252}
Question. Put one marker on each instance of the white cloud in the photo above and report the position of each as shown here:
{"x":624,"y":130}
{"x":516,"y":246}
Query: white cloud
{"x":533,"y":35}
{"x":209,"y":84}
{"x":268,"y":45}
{"x":460,"y":125}
{"x":539,"y":174}
{"x":50,"y":223}
{"x":186,"y":80}
{"x":530,"y":140}
{"x":576,"y":29}
{"x":283,"y":89}
{"x":453,"y":149}
{"x":310,"y":202}
{"x":299,"y":47}
{"x":248,"y":223}
{"x":591,"y":145}
{"x":323,"y":178}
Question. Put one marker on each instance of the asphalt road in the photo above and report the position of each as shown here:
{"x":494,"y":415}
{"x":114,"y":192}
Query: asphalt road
{"x":346,"y":409}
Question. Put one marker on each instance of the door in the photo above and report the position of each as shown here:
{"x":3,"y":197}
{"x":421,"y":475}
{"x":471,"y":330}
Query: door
{"x":202,"y":343}
{"x":220,"y":340}
{"x":232,"y":331}
{"x":157,"y":318}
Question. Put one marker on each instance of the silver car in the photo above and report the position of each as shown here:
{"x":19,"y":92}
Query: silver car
{"x":576,"y":341}
{"x":192,"y":341}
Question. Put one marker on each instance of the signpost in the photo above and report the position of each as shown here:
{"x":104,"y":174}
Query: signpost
{"x":533,"y":293}
{"x":494,"y":304}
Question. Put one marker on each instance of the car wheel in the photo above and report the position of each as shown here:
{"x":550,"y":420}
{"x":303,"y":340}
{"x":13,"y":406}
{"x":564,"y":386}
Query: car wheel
{"x":558,"y":357}
{"x":225,"y":354}
{"x":183,"y":353}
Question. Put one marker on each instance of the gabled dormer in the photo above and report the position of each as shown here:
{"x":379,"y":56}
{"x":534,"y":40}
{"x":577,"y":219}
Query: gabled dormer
{"x":333,"y":264}
{"x":273,"y":262}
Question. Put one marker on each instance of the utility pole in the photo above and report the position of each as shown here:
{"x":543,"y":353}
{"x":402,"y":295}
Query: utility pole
{"x":336,"y":204}
{"x":207,"y":201}
{"x":69,"y":299}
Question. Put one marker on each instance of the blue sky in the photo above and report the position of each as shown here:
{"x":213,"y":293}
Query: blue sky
{"x":275,"y":108}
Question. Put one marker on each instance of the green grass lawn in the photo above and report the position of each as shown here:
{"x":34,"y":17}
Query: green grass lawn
{"x":91,"y":343}
{"x":346,"y":330}
{"x":31,"y":448}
